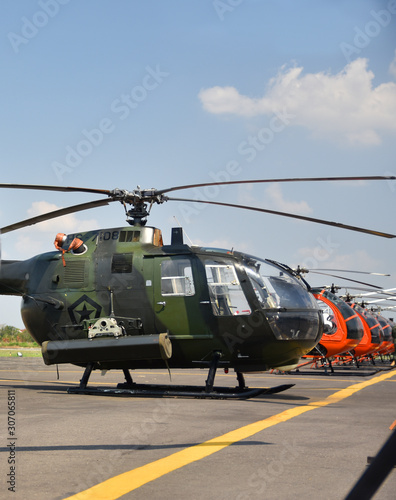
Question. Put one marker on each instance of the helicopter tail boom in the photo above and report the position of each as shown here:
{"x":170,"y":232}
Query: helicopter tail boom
{"x":13,"y":277}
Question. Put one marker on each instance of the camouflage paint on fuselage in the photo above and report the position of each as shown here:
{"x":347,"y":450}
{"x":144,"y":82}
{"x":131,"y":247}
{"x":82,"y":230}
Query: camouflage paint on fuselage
{"x":206,"y":300}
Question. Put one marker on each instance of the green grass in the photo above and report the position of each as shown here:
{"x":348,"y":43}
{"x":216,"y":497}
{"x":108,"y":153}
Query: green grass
{"x":15,"y":343}
{"x":13,"y":353}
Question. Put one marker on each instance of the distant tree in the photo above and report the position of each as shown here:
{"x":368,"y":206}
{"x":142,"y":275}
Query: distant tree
{"x":11,"y":334}
{"x":25,"y":336}
{"x":9,"y":331}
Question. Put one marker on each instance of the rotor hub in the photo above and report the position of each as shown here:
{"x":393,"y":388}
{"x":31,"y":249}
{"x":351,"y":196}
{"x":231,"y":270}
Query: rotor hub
{"x":139,"y":199}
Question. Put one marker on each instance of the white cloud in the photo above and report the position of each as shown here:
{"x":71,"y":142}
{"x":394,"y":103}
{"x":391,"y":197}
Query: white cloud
{"x":275,"y":195}
{"x":27,"y":246}
{"x":344,"y":107}
{"x":28,"y":243}
{"x":66,"y":224}
{"x":273,"y":199}
{"x":357,"y":261}
{"x":327,"y":257}
{"x":245,"y":195}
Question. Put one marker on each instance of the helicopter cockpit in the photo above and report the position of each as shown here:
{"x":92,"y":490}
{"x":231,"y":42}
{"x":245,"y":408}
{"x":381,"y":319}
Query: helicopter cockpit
{"x":353,"y":323}
{"x":287,"y":304}
{"x":329,"y":320}
{"x":377,"y":335}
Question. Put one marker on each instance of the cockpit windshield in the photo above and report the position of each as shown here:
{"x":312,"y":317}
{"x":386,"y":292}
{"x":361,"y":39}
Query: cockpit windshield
{"x":329,"y":320}
{"x":375,"y":328}
{"x":353,"y":323}
{"x":275,"y":288}
{"x":290,"y":309}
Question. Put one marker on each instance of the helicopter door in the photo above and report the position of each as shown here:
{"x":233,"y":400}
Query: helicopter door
{"x":228,"y":304}
{"x":124,"y":286}
{"x":226,"y":295}
{"x":177,"y":296}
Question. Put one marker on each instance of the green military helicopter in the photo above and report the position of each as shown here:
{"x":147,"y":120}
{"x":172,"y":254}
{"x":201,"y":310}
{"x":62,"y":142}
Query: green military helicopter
{"x":119,"y":298}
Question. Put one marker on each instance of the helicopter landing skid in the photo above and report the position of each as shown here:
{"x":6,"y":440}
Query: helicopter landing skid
{"x":181,"y":391}
{"x":131,"y":388}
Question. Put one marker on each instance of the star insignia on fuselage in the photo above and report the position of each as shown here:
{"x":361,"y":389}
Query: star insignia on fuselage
{"x":84,"y":308}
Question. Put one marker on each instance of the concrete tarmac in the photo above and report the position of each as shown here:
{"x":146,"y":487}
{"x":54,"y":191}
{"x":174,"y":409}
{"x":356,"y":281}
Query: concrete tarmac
{"x":311,"y":441}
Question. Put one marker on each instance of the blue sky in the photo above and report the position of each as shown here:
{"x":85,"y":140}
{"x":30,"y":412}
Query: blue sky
{"x":118,"y":94}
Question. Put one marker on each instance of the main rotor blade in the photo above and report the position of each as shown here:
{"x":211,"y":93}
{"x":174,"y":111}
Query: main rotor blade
{"x":54,"y":214}
{"x":347,"y":287}
{"x":293,"y":216}
{"x":349,"y":271}
{"x":347,"y":279}
{"x":291,"y":179}
{"x":362,"y":295}
{"x":383,"y":292}
{"x":42,"y":187}
{"x":64,"y":189}
{"x":379,"y":293}
{"x":379,"y":300}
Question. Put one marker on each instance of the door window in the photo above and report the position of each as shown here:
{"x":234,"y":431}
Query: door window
{"x":177,"y":278}
{"x":226,"y":295}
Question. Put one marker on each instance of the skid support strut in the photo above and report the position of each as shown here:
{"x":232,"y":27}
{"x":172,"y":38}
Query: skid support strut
{"x":130,"y":388}
{"x":212,"y":372}
{"x":241,"y":380}
{"x":128,"y":379}
{"x":86,"y":375}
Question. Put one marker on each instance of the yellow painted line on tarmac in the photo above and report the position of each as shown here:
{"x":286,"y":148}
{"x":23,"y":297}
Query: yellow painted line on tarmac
{"x":120,"y":485}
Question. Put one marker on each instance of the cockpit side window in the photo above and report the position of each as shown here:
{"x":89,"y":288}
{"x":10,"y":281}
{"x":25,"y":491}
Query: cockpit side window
{"x":226,"y":295}
{"x":177,"y":277}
